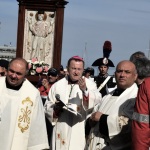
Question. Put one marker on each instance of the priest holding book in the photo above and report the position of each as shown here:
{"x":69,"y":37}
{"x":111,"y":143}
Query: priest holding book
{"x":69,"y":102}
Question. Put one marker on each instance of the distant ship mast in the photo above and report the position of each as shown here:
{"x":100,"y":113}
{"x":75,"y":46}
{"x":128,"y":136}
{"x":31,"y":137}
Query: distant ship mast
{"x":85,"y":56}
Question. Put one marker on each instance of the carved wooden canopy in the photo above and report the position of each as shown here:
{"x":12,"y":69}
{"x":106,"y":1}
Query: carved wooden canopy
{"x":56,"y":6}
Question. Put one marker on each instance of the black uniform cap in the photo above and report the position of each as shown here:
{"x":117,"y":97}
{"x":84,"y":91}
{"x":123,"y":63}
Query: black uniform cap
{"x":106,"y":52}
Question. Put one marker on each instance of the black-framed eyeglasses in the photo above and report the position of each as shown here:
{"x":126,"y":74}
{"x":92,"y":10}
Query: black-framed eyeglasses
{"x":2,"y":73}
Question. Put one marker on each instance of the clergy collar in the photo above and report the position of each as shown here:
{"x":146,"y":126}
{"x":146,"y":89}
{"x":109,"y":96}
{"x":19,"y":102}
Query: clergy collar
{"x":71,"y":82}
{"x":118,"y":92}
{"x":13,"y":87}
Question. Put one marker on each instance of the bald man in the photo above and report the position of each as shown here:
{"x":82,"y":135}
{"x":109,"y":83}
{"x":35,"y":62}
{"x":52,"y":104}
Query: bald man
{"x":111,"y":119}
{"x":22,"y":119}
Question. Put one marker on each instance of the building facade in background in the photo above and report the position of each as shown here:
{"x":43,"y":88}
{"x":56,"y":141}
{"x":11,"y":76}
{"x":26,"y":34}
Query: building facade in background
{"x":7,"y":52}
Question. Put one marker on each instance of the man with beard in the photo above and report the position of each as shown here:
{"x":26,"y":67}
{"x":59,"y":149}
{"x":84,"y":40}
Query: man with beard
{"x":21,"y":111}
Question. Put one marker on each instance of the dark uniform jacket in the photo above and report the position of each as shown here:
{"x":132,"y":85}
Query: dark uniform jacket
{"x":100,"y":79}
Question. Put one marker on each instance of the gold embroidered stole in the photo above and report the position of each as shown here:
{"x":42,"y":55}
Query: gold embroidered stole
{"x":24,"y":117}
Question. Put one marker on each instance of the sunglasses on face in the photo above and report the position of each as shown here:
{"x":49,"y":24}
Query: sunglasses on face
{"x":53,"y":75}
{"x":2,"y":73}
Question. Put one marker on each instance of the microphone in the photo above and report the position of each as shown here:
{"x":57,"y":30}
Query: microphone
{"x":57,"y":96}
{"x":59,"y":102}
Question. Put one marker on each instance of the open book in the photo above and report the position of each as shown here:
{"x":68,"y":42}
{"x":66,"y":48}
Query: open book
{"x":69,"y":106}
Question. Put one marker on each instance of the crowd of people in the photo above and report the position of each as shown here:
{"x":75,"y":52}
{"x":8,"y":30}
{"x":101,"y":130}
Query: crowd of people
{"x":76,"y":110}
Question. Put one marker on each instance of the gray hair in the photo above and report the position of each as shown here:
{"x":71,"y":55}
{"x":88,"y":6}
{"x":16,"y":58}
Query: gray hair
{"x":137,"y":55}
{"x":143,"y":67}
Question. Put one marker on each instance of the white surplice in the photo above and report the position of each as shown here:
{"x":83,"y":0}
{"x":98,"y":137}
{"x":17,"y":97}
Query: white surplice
{"x":119,"y":110}
{"x":22,"y":124}
{"x":69,"y":129}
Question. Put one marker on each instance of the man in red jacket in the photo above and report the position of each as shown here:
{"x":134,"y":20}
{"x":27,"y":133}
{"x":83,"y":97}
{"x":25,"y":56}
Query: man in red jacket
{"x":141,"y":118}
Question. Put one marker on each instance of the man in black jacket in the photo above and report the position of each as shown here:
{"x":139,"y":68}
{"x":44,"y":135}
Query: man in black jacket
{"x":103,"y":80}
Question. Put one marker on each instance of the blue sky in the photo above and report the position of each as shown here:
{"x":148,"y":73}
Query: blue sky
{"x":126,"y":23}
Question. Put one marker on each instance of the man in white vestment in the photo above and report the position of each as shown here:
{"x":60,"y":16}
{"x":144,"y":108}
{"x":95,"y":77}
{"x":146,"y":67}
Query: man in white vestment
{"x":69,"y":101}
{"x":111,"y":118}
{"x":22,"y":120}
